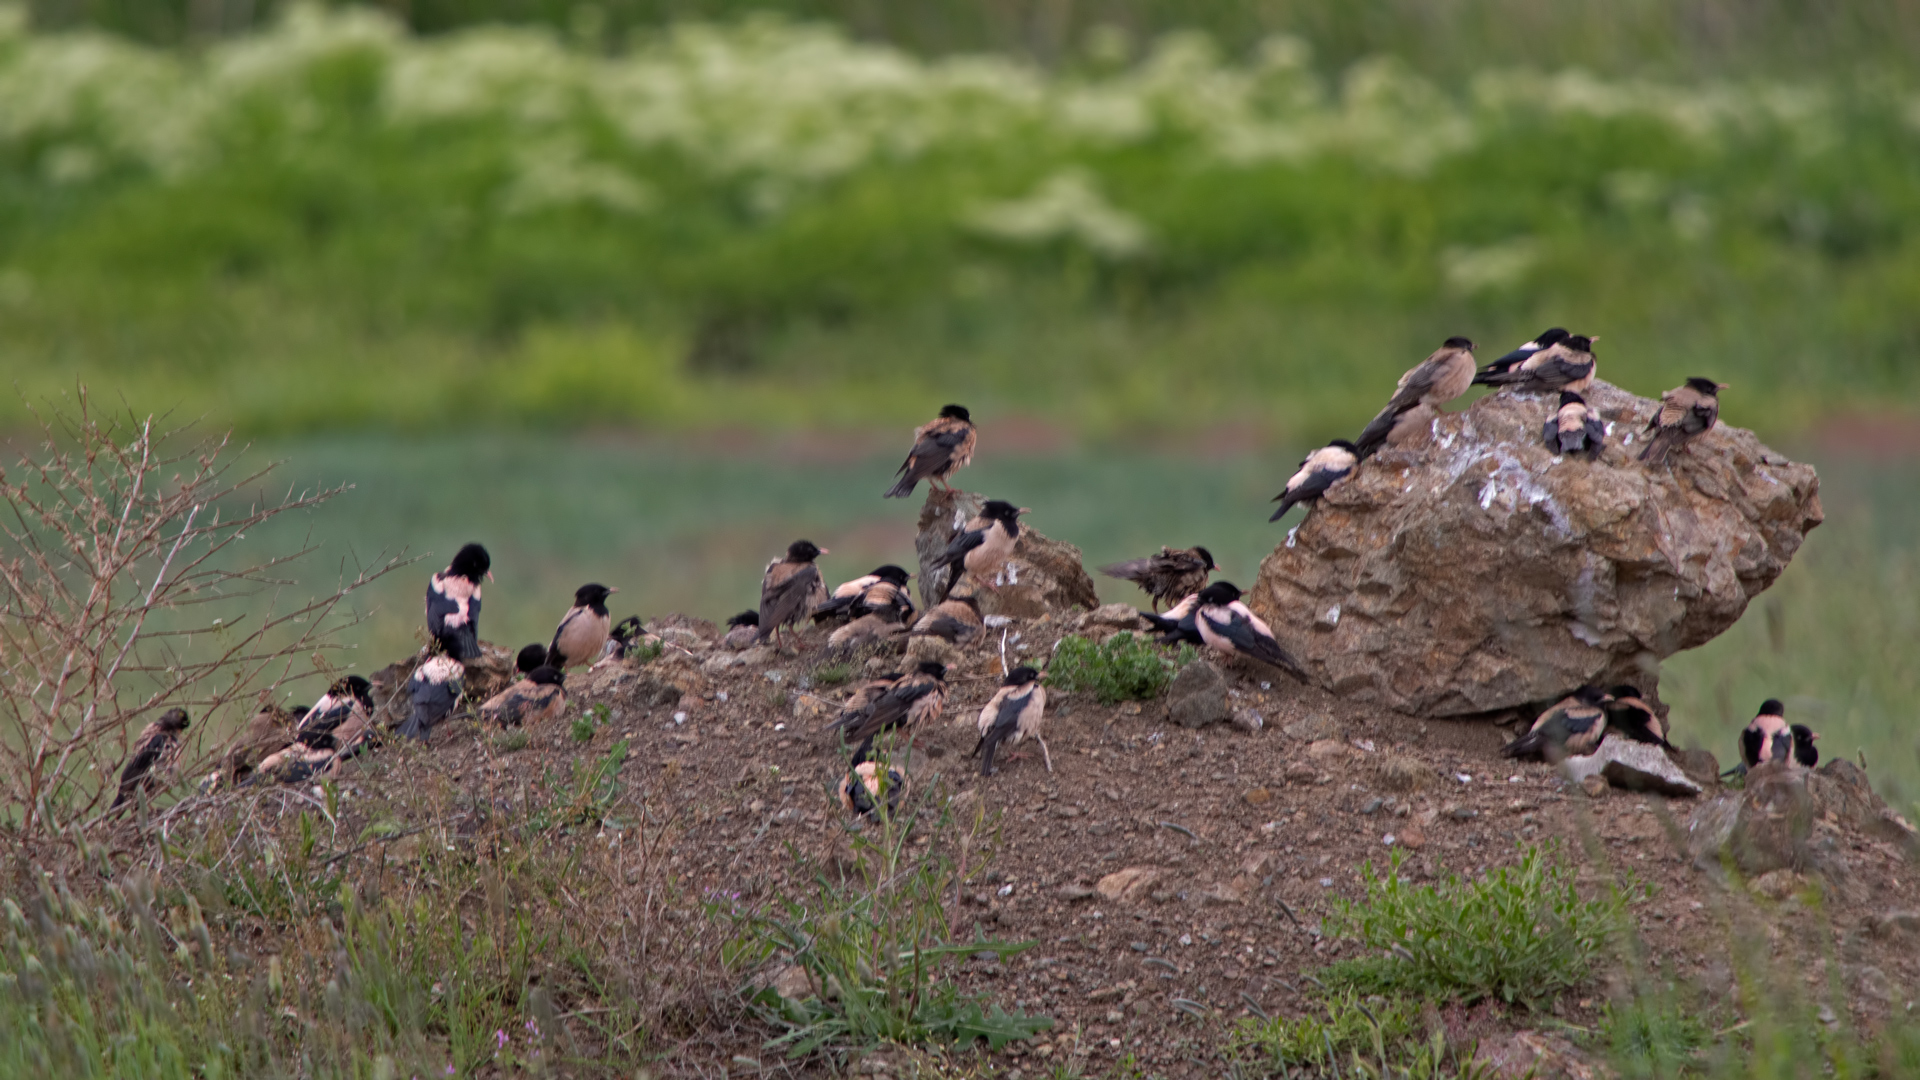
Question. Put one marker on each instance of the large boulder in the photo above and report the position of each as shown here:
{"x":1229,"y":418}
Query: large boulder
{"x":1789,"y":818}
{"x":1044,"y":576}
{"x":1477,"y":571}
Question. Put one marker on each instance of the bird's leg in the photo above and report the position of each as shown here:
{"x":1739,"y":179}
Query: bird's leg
{"x":1043,"y":752}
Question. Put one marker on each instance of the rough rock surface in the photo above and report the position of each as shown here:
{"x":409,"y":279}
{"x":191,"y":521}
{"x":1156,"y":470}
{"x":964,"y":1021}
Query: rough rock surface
{"x":1633,"y":766}
{"x":1796,"y":819}
{"x":1477,"y":571}
{"x":1043,"y":577}
{"x":1197,"y":696}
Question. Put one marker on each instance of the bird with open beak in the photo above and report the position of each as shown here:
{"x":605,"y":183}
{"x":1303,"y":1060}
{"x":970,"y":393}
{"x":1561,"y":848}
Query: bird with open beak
{"x":1767,"y":738}
{"x":912,"y":701}
{"x":869,"y":785}
{"x":1319,"y":471}
{"x":1630,"y":715}
{"x":453,"y":602}
{"x":1433,"y":382}
{"x":1228,"y":626}
{"x":982,"y":547}
{"x":790,"y":588}
{"x":1686,"y":412}
{"x":953,"y":621}
{"x":583,"y":630}
{"x":150,"y":764}
{"x":941,"y":447}
{"x":434,"y":690}
{"x":882,"y":592}
{"x":1575,"y":428}
{"x":539,"y":697}
{"x":1514,"y":359}
{"x":1571,"y":728}
{"x":743,"y":631}
{"x":1012,"y":716}
{"x":1168,"y":576}
{"x":1565,"y":365}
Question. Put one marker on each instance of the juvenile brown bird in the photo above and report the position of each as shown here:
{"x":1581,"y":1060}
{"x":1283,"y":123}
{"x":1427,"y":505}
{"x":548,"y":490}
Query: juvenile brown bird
{"x":1168,"y":576}
{"x":453,"y":602}
{"x":982,"y":547}
{"x":1572,"y":728}
{"x":743,"y":631}
{"x":1630,"y":715}
{"x":1686,"y":411}
{"x":1514,"y":359}
{"x":1318,"y":472}
{"x":912,"y":701}
{"x":1433,"y":382}
{"x":1767,"y":736}
{"x":433,"y":689}
{"x":867,"y":785}
{"x":791,"y":588}
{"x":865,"y":630}
{"x":1567,"y":364}
{"x":953,"y":621}
{"x":1226,"y":625}
{"x":156,"y":750}
{"x":941,"y":448}
{"x":1012,"y":716}
{"x":269,"y":729}
{"x":583,"y":630}
{"x":536,"y":699}
{"x":882,"y":592}
{"x":1575,"y":428}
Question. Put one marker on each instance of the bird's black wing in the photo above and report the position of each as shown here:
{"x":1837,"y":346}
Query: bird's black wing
{"x":1251,"y":642}
{"x":146,"y":754}
{"x":957,"y":549}
{"x":1314,"y":486}
{"x":783,"y":601}
{"x":461,"y":642}
{"x":835,"y":607}
{"x":1374,"y":435}
{"x":1751,"y":740}
{"x":930,"y":455}
{"x":554,"y":657}
{"x":1005,"y":721}
{"x":1596,"y":432}
{"x":886,"y":711}
{"x":432,"y":701}
{"x":316,"y":728}
{"x":1556,"y":371}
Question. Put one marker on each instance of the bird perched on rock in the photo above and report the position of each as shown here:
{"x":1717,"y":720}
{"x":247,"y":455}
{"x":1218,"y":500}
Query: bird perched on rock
{"x":953,"y":621}
{"x":583,"y":630}
{"x":453,"y":602}
{"x":529,"y":657}
{"x":867,"y":786}
{"x":539,"y":697}
{"x":1318,"y":472}
{"x":1514,"y":359}
{"x":1686,"y":411}
{"x":1168,"y":576}
{"x":1766,"y":737}
{"x":911,"y":701}
{"x":156,"y":750}
{"x":743,"y":631}
{"x":1228,"y":626}
{"x":1803,"y":749}
{"x":941,"y":448}
{"x":434,"y":688}
{"x":1012,"y":716}
{"x":881,"y":592}
{"x":1178,"y":625}
{"x":1575,"y":427}
{"x":790,"y":588}
{"x":865,"y":630}
{"x":1573,"y":727}
{"x":1630,"y":715}
{"x":983,"y":546}
{"x":1433,"y":382}
{"x":340,"y":716}
{"x":1567,"y":364}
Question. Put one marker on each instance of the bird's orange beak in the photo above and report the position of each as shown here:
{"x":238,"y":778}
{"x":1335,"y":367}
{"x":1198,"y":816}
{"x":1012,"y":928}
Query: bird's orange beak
{"x":824,"y":551}
{"x":610,"y":592}
{"x":489,"y":575}
{"x":1026,"y":509}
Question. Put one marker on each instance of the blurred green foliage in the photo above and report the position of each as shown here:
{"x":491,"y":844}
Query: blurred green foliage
{"x":327,"y":222}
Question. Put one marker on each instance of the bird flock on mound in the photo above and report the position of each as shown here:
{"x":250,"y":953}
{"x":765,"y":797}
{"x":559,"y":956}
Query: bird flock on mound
{"x":877,"y":608}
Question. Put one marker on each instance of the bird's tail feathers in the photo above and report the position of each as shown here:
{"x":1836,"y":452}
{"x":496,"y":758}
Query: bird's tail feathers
{"x":1531,"y":744}
{"x":903,"y":488}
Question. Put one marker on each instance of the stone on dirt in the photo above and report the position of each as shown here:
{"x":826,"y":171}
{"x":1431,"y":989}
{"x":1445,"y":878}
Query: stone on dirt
{"x":1632,"y":766}
{"x":1197,"y":696}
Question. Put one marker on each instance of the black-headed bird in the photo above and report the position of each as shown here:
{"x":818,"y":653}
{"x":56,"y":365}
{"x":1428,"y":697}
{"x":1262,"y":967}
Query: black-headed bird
{"x":941,"y":447}
{"x":1567,"y":364}
{"x":433,"y":689}
{"x":1575,"y":427}
{"x":539,"y":697}
{"x":1548,"y":339}
{"x":1630,"y":715}
{"x":583,"y":630}
{"x":982,"y":546}
{"x":1573,"y":727}
{"x":341,"y":713}
{"x":1804,"y":751}
{"x":1012,"y":716}
{"x":1686,"y":411}
{"x":867,"y":693}
{"x":1177,"y":626}
{"x":1168,"y":576}
{"x":156,"y":750}
{"x":883,"y":592}
{"x":790,"y":588}
{"x":1433,"y":382}
{"x":1319,"y":471}
{"x":453,"y":602}
{"x":953,"y":621}
{"x":1767,"y":737}
{"x":913,"y":701}
{"x":743,"y":631}
{"x":1228,"y":626}
{"x":868,"y":785}
{"x":529,"y":657}
{"x":623,"y":636}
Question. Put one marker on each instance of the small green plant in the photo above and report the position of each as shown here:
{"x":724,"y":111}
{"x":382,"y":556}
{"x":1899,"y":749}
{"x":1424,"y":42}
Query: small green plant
{"x":1374,"y":1037}
{"x":1122,"y":667}
{"x":588,"y":722}
{"x":832,"y":674}
{"x":646,"y":651}
{"x":1651,"y":1037}
{"x":511,"y":742}
{"x":1520,"y":934}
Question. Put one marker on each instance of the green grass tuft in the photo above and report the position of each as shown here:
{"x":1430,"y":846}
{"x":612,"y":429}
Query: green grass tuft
{"x":832,"y":674}
{"x":511,"y":742}
{"x":1122,"y":667}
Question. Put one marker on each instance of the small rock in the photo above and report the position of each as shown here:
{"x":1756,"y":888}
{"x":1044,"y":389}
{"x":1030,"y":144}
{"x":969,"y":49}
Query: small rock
{"x":1372,"y":806}
{"x":1314,"y":728}
{"x":1328,"y":750}
{"x":1463,"y":813}
{"x":1398,"y":772}
{"x":791,"y":982}
{"x":1634,"y":766}
{"x":1248,"y":722}
{"x":1892,"y":924}
{"x":1129,"y":884}
{"x":1700,"y":766}
{"x":1777,"y":884}
{"x":1596,"y":786}
{"x":1258,"y":796}
{"x":1301,"y":773}
{"x":1412,"y":836}
{"x":1198,"y":696}
{"x":810,"y":707}
{"x":1076,"y":891}
{"x":1110,"y":617}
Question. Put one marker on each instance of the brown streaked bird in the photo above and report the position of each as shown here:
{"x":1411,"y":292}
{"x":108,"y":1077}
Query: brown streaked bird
{"x":865,"y":630}
{"x":1228,"y":626}
{"x":941,"y":447}
{"x":1433,"y":382}
{"x":1575,"y":428}
{"x":913,"y":701}
{"x":1572,"y":728}
{"x":1630,"y":715}
{"x":453,"y":602}
{"x":743,"y":631}
{"x":1319,"y":471}
{"x":1567,"y":364}
{"x":1168,"y":576}
{"x":1686,"y":412}
{"x":791,"y":588}
{"x":1012,"y":716}
{"x":1551,"y":337}
{"x":583,"y":630}
{"x":882,"y":592}
{"x":1767,"y":737}
{"x":536,"y":699}
{"x":952,"y":621}
{"x":982,"y":547}
{"x":867,"y":786}
{"x":156,"y":750}
{"x":269,"y":729}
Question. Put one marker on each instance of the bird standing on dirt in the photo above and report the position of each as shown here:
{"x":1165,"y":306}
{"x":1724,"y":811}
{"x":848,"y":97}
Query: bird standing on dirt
{"x":912,"y":701}
{"x":952,"y":621}
{"x":539,"y":697}
{"x":1012,"y":716}
{"x":433,"y":689}
{"x":1686,"y":411}
{"x":1228,"y":626}
{"x":790,"y":588}
{"x":156,"y":750}
{"x":1575,"y":427}
{"x":1567,"y":364}
{"x":982,"y":547}
{"x":881,"y":592}
{"x":1168,"y":576}
{"x":1573,"y":727}
{"x":453,"y":602}
{"x":1766,"y":737}
{"x":867,"y":786}
{"x":941,"y":448}
{"x":743,"y":631}
{"x":1318,"y":472}
{"x":583,"y":630}
{"x":1630,"y":715}
{"x":1547,"y":339}
{"x":1433,"y":382}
